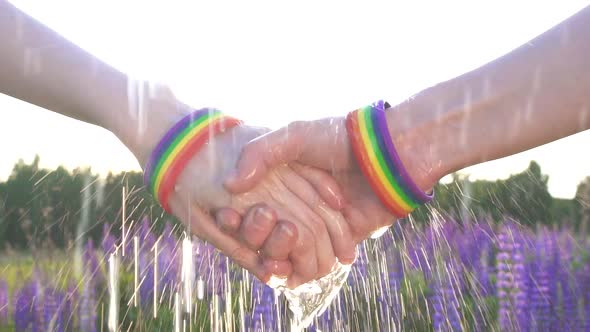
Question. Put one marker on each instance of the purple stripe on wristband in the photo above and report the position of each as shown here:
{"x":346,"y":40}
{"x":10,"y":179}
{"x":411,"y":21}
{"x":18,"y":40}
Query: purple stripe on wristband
{"x":406,"y":180}
{"x":166,"y":140}
{"x":408,"y":196}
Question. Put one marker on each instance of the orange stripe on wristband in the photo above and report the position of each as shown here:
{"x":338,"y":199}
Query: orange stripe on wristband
{"x":365,"y":165}
{"x":178,"y":146}
{"x":187,"y":151}
{"x":371,"y":150}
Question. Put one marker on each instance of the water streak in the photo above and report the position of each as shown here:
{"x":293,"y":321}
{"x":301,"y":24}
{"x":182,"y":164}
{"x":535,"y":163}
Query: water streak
{"x":113,"y":320}
{"x":156,"y":278}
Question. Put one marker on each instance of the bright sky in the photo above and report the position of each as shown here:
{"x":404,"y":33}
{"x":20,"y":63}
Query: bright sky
{"x":270,"y":62}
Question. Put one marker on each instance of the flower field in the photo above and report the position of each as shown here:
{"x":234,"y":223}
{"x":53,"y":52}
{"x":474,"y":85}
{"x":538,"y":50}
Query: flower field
{"x":446,"y":276}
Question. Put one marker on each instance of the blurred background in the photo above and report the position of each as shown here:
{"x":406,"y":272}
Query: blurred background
{"x":499,"y":235}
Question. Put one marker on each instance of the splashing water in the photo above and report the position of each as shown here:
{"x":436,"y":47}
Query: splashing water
{"x":113,"y":321}
{"x":310,"y":300}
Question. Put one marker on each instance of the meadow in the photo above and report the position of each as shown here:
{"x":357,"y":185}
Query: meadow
{"x":448,"y":275}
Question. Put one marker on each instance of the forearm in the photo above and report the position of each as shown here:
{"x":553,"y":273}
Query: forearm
{"x":41,"y":67}
{"x":534,"y":95}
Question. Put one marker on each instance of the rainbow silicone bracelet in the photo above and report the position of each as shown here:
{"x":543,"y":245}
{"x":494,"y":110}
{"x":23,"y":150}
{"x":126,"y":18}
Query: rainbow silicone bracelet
{"x":178,"y":146}
{"x":374,"y":150}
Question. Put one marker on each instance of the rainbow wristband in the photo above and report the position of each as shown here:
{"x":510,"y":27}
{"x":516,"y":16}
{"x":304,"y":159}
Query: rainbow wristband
{"x":178,"y":146}
{"x":374,"y":150}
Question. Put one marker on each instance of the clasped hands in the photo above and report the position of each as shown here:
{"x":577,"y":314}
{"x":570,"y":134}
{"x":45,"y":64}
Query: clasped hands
{"x":290,"y":202}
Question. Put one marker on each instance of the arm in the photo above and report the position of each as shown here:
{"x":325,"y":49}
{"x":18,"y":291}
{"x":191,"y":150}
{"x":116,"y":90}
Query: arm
{"x":538,"y":93}
{"x":534,"y":95}
{"x":39,"y":66}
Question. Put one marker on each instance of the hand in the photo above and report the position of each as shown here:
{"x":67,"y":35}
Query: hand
{"x":323,"y":144}
{"x":199,"y":191}
{"x":305,"y":241}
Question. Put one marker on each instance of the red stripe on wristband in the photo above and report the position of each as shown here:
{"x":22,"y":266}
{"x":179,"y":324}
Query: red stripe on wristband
{"x":352,"y":127}
{"x":186,"y":154}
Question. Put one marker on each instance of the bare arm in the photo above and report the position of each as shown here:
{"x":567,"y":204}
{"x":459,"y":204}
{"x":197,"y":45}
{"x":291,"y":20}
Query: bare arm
{"x":39,"y":66}
{"x":536,"y":94}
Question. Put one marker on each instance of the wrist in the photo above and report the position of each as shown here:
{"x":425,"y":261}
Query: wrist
{"x":412,"y":138}
{"x":444,"y":129}
{"x":189,"y":141}
{"x":141,"y":126}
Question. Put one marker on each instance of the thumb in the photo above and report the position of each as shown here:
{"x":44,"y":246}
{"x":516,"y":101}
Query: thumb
{"x":264,"y":153}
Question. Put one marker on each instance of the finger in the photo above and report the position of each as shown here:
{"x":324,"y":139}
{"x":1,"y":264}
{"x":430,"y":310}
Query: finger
{"x":304,"y":259}
{"x":279,"y":268}
{"x":281,"y":242}
{"x":298,"y":196}
{"x":324,"y":184}
{"x":303,"y":256}
{"x":204,"y":227}
{"x":330,"y":227}
{"x":257,"y":226}
{"x":264,"y":153}
{"x":228,"y":220}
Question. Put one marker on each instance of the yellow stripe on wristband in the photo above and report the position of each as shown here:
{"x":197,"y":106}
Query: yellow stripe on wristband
{"x":179,"y":147}
{"x":370,"y":150}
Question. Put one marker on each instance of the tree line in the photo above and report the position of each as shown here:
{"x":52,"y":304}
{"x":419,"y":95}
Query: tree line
{"x":59,"y":208}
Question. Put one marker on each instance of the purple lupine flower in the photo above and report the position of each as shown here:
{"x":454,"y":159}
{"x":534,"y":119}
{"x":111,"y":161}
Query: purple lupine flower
{"x":504,"y":280}
{"x":168,"y":260}
{"x":220,"y":276}
{"x":483,"y":270}
{"x":473,"y":242}
{"x":263,"y":314}
{"x":390,"y":279}
{"x":511,"y":280}
{"x":548,"y":247}
{"x":28,"y":312}
{"x":421,"y":250}
{"x":146,"y":236}
{"x":146,"y":277}
{"x":205,"y":264}
{"x":91,"y":264}
{"x":570,"y":288}
{"x":539,"y":296}
{"x":4,"y":302}
{"x":584,"y":281}
{"x":23,"y":315}
{"x":325,"y":322}
{"x":87,"y":307}
{"x":70,"y":302}
{"x":357,"y":279}
{"x":38,"y":323}
{"x":204,"y":254}
{"x":520,"y":287}
{"x":53,"y":308}
{"x":147,"y":240}
{"x":444,"y":301}
{"x":569,"y":315}
{"x":109,"y":242}
{"x":127,"y":243}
